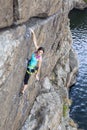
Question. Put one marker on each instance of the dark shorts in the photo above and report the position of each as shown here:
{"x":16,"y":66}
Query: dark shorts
{"x":28,"y":74}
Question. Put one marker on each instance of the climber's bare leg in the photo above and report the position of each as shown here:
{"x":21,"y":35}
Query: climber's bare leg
{"x":24,"y":88}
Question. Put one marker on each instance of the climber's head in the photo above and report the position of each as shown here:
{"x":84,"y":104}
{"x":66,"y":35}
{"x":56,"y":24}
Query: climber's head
{"x":40,"y":50}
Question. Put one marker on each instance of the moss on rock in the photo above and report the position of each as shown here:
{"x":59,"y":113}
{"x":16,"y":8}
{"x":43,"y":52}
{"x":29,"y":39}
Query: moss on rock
{"x":65,"y":109}
{"x":85,"y":1}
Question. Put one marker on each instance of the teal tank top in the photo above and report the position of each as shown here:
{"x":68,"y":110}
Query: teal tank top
{"x":33,"y":61}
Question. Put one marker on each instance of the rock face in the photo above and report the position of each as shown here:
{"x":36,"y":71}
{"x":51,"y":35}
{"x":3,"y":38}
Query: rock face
{"x":49,"y":20}
{"x":73,"y":63}
{"x":46,"y":111}
{"x":19,"y":11}
{"x":6,"y":13}
{"x":79,"y":4}
{"x":27,"y":9}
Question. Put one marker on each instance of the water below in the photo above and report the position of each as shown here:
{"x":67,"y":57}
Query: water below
{"x":78,"y":92}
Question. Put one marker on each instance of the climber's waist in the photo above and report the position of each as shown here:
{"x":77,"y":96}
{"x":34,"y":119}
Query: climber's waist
{"x":32,"y":70}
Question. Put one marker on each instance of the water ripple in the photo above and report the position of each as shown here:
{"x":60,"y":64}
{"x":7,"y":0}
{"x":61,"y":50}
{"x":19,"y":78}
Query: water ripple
{"x":78,"y":92}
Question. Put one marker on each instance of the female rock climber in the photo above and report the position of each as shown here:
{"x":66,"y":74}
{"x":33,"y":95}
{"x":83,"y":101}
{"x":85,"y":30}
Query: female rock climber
{"x":34,"y":64}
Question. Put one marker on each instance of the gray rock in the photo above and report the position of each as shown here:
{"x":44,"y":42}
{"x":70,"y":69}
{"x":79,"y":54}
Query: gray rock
{"x":6,"y":13}
{"x":15,"y":48}
{"x":27,"y":9}
{"x":73,"y":63}
{"x":45,"y":113}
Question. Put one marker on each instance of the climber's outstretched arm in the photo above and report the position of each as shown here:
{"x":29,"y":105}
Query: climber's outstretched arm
{"x":34,"y":39}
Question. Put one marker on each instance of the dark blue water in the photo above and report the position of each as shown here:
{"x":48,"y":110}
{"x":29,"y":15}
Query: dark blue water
{"x":78,"y":92}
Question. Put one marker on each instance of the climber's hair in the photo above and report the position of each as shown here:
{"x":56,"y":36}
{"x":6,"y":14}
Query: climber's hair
{"x":41,"y":48}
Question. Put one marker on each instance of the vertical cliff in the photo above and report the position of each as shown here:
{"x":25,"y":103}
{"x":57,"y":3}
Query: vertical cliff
{"x":45,"y":102}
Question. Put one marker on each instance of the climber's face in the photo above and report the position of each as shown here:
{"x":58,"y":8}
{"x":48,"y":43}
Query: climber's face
{"x":40,"y":52}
